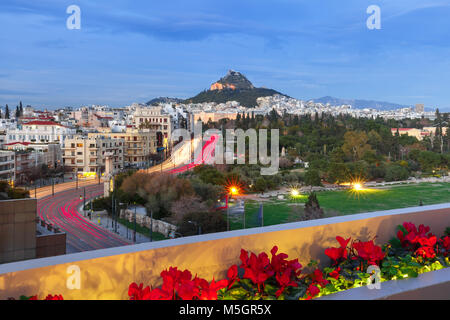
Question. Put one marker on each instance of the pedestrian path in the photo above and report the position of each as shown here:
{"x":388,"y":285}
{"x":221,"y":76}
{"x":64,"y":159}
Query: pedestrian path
{"x":122,"y":231}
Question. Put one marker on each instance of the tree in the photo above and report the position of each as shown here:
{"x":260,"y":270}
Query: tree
{"x":312,"y":208}
{"x":355,"y":144}
{"x":312,"y":178}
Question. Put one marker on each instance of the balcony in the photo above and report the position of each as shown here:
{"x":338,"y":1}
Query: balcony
{"x":106,"y":274}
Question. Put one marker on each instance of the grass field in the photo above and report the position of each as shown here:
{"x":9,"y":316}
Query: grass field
{"x":344,"y":202}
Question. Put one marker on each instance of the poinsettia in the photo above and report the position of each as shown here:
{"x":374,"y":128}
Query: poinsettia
{"x":280,"y":264}
{"x":232,"y":275}
{"x":445,"y":244}
{"x":136,"y":292}
{"x":336,"y":254}
{"x":54,"y":297}
{"x":209,"y":290}
{"x":426,"y":249}
{"x":284,"y":280}
{"x":368,"y":252}
{"x":257,"y":268}
{"x":312,"y":291}
{"x":335,"y":273}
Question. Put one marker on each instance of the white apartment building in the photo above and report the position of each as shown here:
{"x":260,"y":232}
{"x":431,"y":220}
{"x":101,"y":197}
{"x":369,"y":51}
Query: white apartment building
{"x":40,"y":131}
{"x":45,"y":153}
{"x":88,"y":154}
{"x":7,"y":165}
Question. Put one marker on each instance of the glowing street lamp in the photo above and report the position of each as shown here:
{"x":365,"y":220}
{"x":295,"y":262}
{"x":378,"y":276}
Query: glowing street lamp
{"x":295,"y":192}
{"x":358,"y":186}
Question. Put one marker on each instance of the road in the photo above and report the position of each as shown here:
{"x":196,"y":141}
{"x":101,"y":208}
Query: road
{"x":59,"y":205}
{"x":61,"y":210}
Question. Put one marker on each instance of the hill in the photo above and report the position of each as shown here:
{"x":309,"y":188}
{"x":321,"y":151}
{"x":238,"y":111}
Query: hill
{"x":233,"y":87}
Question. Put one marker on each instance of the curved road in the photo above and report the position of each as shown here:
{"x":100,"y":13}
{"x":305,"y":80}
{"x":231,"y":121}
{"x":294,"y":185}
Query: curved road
{"x":61,"y":210}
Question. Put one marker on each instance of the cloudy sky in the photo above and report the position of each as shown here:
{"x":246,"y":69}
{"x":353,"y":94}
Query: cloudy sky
{"x":132,"y":51}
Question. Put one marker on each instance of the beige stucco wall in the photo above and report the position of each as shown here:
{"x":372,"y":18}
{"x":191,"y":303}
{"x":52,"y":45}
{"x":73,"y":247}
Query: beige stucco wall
{"x":106,"y":274}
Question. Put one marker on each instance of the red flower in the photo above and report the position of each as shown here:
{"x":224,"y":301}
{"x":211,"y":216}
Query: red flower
{"x":33,"y":297}
{"x":427,"y":247}
{"x":285,"y":281}
{"x":209,"y":290}
{"x":336,"y":254}
{"x":174,"y":279}
{"x":188,"y":289}
{"x":232,"y":275}
{"x":312,"y":291}
{"x":257,"y":268}
{"x":413,"y":234}
{"x":279,"y":263}
{"x":55,"y":297}
{"x":426,"y":252}
{"x":369,"y":252}
{"x":445,"y":242}
{"x":335,"y":273}
{"x":317,"y":278}
{"x":136,"y":292}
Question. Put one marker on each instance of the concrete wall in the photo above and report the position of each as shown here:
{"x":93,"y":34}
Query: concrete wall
{"x":106,"y":274}
{"x":17,"y":230}
{"x":158,"y":225}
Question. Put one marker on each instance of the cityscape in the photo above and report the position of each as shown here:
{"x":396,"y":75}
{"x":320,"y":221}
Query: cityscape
{"x":212,"y":185}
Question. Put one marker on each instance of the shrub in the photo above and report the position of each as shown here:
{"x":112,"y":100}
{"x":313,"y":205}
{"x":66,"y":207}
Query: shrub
{"x":396,"y":173}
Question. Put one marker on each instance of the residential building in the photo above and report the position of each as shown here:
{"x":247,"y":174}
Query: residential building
{"x":88,"y":154}
{"x":420,"y":134}
{"x":155,"y":118}
{"x":40,"y":131}
{"x":7,"y":165}
{"x":139,"y":144}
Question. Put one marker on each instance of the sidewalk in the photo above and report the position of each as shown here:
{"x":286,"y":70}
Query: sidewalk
{"x":123,"y":232}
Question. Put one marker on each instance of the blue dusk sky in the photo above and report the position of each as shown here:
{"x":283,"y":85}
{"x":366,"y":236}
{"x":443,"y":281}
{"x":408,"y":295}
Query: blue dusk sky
{"x":132,"y":51}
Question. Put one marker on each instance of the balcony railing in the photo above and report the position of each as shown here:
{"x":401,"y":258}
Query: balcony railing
{"x":106,"y":274}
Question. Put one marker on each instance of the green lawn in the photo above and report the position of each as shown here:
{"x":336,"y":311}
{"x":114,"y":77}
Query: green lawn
{"x":345,"y":202}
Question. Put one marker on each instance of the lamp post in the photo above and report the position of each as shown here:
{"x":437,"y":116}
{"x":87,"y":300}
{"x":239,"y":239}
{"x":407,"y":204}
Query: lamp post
{"x":198,"y":226}
{"x":134,"y":232}
{"x":228,"y":212}
{"x":151,"y":225}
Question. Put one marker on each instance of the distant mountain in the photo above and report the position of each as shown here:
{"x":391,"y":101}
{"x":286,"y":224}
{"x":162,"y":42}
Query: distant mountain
{"x":233,"y":87}
{"x":162,"y":100}
{"x":360,"y":104}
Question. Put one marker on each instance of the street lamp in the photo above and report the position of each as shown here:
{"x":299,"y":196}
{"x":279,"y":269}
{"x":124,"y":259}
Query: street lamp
{"x":134,"y":232}
{"x":197,"y":225}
